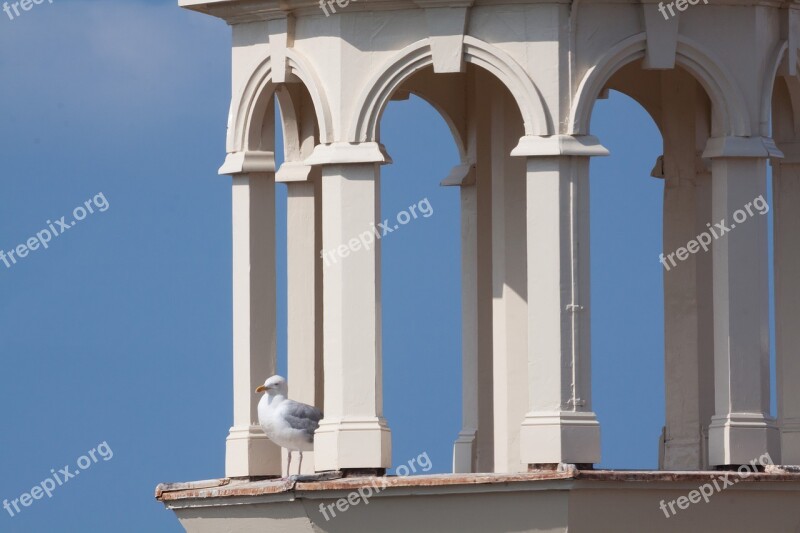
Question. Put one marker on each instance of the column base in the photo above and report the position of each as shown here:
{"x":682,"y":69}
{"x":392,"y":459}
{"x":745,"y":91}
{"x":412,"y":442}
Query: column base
{"x":684,"y":454}
{"x":790,"y":441}
{"x":560,"y":437}
{"x":352,"y":444}
{"x":249,"y":453}
{"x":464,"y":452}
{"x":740,"y":438}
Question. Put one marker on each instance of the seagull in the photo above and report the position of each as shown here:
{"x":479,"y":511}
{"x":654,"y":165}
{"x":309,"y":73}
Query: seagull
{"x":287,"y":423}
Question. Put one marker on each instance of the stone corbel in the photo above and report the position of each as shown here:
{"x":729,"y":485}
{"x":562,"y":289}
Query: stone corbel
{"x":281,"y":37}
{"x":658,"y":169}
{"x":558,"y":145}
{"x":662,"y":37}
{"x":250,"y":162}
{"x":447,"y":23}
{"x":342,"y":153}
{"x":791,"y":153}
{"x":291,"y":172}
{"x":741,"y":147}
{"x":462,"y":175}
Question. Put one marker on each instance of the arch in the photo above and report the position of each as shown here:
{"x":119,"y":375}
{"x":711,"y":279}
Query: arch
{"x":246,"y":113}
{"x":458,"y":136}
{"x":729,"y":110}
{"x":291,"y":123}
{"x":791,"y":100}
{"x":418,"y":56}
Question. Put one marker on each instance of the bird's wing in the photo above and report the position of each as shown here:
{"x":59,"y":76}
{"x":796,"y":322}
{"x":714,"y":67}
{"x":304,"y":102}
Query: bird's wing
{"x":302,"y":417}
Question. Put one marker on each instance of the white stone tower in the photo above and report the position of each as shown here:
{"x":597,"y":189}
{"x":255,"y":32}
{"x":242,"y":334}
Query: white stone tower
{"x":516,"y":80}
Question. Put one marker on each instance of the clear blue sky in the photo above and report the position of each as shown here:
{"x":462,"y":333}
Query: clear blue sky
{"x":120,"y":331}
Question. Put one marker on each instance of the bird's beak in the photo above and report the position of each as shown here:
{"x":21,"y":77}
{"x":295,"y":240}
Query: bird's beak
{"x":261,"y":388}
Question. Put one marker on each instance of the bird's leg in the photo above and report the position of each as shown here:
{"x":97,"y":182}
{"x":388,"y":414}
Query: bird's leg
{"x":289,"y":464}
{"x":300,"y":468}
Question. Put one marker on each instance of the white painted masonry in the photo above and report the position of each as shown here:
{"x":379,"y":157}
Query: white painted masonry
{"x":517,"y":83}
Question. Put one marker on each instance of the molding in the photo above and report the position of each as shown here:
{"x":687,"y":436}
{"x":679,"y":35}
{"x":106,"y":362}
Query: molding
{"x":791,"y":153}
{"x":281,"y":38}
{"x":662,"y":38}
{"x":559,"y":145}
{"x":462,"y":175}
{"x":728,"y":147}
{"x":260,"y":85}
{"x":348,"y":153}
{"x":417,"y":56}
{"x":446,"y":28}
{"x":729,"y":107}
{"x":658,"y":169}
{"x":292,"y":172}
{"x":248,"y":163}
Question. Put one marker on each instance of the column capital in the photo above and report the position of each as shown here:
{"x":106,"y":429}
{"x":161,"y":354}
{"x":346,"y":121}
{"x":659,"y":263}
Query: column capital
{"x":702,"y":166}
{"x":344,"y":153}
{"x":754,"y":147}
{"x":293,"y":172}
{"x":556,"y":145}
{"x":248,"y":162}
{"x":791,"y":153}
{"x":462,"y":175}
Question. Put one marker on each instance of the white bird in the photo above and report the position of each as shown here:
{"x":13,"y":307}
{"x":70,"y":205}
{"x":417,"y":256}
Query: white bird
{"x":287,"y":423}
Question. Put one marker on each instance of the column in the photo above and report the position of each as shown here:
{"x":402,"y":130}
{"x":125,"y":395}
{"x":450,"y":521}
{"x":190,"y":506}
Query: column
{"x":509,"y":279}
{"x":688,"y":318}
{"x":465,"y":449}
{"x":560,"y":426}
{"x":304,"y":287}
{"x":741,"y":429}
{"x":249,"y":453}
{"x":353,"y":436}
{"x":786,"y":216}
{"x":474,"y":449}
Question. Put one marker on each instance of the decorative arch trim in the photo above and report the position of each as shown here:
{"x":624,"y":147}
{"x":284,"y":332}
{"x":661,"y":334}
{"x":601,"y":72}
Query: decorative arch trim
{"x":418,"y":56}
{"x":768,"y":87}
{"x":728,"y":104}
{"x":244,"y":121}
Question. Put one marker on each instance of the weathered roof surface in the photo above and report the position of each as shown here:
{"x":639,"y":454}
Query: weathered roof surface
{"x":226,"y":488}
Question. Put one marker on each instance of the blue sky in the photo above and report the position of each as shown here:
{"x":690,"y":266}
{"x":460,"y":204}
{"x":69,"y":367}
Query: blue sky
{"x":120,"y":331}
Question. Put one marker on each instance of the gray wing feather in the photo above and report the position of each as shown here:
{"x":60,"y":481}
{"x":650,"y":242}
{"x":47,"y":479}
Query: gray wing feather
{"x":303,"y":417}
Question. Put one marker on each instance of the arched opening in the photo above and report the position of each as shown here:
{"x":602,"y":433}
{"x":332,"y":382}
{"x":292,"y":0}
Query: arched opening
{"x":421,"y":284}
{"x":284,"y":263}
{"x":783,"y":113}
{"x":465,"y":295}
{"x":627,"y":284}
{"x":653,"y":316}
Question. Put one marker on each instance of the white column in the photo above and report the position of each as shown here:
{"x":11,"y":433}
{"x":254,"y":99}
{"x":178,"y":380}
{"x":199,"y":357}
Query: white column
{"x":688,"y":318}
{"x":353,"y":435}
{"x":786,"y":216}
{"x":560,"y":426}
{"x":741,"y":429}
{"x":304,"y":288}
{"x":474,"y":449}
{"x":465,"y":449}
{"x":249,"y":453}
{"x":509,"y":280}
